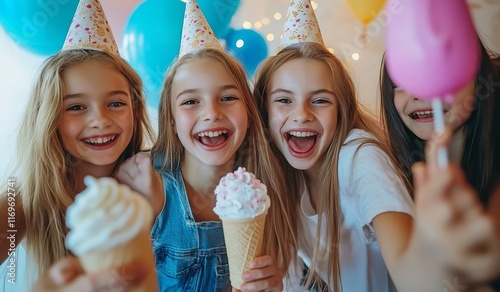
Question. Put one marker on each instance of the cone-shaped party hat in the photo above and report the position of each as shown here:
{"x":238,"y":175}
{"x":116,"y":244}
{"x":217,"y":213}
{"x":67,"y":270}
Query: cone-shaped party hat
{"x":89,"y":29}
{"x":196,"y":32}
{"x":301,"y":25}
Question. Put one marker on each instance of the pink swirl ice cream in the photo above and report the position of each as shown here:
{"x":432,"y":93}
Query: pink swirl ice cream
{"x":241,"y":196}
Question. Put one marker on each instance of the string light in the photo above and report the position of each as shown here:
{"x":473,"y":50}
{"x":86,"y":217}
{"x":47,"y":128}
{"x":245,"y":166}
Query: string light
{"x":270,"y":37}
{"x":277,"y":16}
{"x":265,"y":21}
{"x":240,"y":43}
{"x":258,"y":24}
{"x":247,"y":24}
{"x":355,"y":56}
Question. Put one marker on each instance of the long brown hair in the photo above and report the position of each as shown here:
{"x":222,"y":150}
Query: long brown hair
{"x":48,"y":175}
{"x":349,"y":117}
{"x":254,"y":154}
{"x":481,"y":155}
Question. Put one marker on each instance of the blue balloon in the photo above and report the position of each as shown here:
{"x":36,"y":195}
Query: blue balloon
{"x":248,"y":46}
{"x":219,"y":14}
{"x":39,"y":26}
{"x":151,"y":41}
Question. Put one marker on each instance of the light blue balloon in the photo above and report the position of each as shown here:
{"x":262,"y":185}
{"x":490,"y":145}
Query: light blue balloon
{"x":40,"y":26}
{"x":219,"y":14}
{"x":248,"y":46}
{"x":151,"y":41}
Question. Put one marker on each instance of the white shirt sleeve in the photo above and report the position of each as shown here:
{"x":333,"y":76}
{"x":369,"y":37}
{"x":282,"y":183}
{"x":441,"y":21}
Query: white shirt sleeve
{"x":372,"y":185}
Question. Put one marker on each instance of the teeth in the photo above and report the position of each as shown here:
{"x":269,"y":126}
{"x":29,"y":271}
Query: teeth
{"x":100,"y":140}
{"x":302,"y":134}
{"x":212,"y":134}
{"x":416,"y":115}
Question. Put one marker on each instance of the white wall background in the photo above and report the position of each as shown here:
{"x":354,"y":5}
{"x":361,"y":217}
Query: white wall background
{"x":340,"y":29}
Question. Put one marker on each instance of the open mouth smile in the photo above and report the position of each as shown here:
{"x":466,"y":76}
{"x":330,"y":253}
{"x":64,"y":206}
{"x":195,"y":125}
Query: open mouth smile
{"x":301,"y":143}
{"x":213,"y":138}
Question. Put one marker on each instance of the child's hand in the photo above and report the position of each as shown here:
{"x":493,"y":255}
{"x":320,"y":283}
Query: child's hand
{"x":68,"y":275}
{"x":451,"y":221}
{"x":138,"y":173}
{"x":263,"y":276}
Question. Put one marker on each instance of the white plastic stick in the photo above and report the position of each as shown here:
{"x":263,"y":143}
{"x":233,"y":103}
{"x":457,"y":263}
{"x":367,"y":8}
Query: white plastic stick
{"x":437,"y":107}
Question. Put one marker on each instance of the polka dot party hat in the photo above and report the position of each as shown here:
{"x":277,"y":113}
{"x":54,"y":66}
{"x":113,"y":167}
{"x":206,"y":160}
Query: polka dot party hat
{"x":89,"y":29}
{"x":301,"y":25}
{"x":196,"y":32}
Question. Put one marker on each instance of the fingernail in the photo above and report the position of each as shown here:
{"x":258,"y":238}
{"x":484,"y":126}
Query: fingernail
{"x":246,"y":277}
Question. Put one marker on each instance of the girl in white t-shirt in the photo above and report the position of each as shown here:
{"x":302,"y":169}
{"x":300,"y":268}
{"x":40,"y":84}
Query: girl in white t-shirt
{"x":356,"y":231}
{"x":355,"y":211}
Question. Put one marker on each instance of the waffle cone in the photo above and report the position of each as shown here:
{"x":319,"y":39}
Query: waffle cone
{"x":138,"y":248}
{"x":243,"y":239}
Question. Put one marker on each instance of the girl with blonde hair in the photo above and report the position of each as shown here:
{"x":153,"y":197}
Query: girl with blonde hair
{"x":343,"y":171}
{"x":85,"y":116}
{"x":73,"y":126}
{"x":208,"y":126}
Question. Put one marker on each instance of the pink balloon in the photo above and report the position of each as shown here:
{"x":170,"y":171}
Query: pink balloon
{"x":117,"y":12}
{"x":432,"y":47}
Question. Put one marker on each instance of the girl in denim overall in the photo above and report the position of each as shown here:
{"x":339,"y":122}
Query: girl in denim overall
{"x":208,"y":126}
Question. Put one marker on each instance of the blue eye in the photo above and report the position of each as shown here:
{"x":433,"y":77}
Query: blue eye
{"x":228,"y":98}
{"x":189,"y":102}
{"x":283,"y":100}
{"x":320,"y":100}
{"x":75,"y":108}
{"x":116,"y":104}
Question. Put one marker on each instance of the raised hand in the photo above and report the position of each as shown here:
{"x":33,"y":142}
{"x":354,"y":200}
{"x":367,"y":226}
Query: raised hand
{"x":138,"y":173}
{"x":451,"y":220}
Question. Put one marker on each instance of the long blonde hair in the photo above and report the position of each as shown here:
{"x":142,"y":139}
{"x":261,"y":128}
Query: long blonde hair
{"x":254,"y":154}
{"x":349,"y":117}
{"x":48,"y":175}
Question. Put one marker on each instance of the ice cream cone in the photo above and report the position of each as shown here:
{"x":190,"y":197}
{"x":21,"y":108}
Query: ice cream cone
{"x":109,"y":227}
{"x":138,"y":248}
{"x":243,"y":239}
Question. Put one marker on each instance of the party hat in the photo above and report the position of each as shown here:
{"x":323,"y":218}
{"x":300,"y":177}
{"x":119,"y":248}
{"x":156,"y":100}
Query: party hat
{"x":301,"y":25}
{"x":196,"y":32}
{"x":89,"y":29}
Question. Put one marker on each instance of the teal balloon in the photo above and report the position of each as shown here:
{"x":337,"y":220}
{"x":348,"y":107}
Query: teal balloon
{"x":39,"y":26}
{"x":151,"y":41}
{"x":248,"y":46}
{"x":219,"y":14}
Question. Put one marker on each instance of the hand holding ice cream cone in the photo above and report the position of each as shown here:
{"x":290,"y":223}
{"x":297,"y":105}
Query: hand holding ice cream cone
{"x":242,"y":205}
{"x":110,"y":226}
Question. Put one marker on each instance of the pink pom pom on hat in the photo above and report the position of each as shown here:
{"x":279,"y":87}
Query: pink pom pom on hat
{"x":89,"y":29}
{"x":301,"y":25}
{"x":196,"y":32}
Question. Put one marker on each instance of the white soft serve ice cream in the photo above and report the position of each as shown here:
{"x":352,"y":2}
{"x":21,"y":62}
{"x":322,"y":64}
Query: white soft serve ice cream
{"x":104,"y":215}
{"x":241,"y":196}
